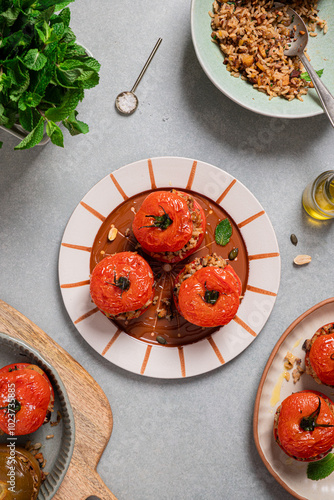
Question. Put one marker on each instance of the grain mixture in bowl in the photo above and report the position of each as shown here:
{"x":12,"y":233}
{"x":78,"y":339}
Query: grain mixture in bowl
{"x":252,"y":35}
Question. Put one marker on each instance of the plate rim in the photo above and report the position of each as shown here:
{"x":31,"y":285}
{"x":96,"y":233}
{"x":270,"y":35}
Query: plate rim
{"x":318,"y":112}
{"x":188,"y":162}
{"x":278,"y":344}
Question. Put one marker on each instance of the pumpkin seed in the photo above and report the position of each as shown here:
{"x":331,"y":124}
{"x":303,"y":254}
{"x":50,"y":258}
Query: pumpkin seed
{"x":233,"y":254}
{"x":294,"y":239}
{"x":161,"y":340}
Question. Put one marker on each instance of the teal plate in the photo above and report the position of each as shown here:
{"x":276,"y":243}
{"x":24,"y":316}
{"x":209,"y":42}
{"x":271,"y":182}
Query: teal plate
{"x":320,"y":49}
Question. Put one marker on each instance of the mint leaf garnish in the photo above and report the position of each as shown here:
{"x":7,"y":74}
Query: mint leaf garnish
{"x":223,"y":232}
{"x":321,"y":469}
{"x":305,"y":76}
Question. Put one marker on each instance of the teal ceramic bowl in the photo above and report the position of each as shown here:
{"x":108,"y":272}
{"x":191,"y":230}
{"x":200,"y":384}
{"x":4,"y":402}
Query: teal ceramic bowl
{"x":320,"y":49}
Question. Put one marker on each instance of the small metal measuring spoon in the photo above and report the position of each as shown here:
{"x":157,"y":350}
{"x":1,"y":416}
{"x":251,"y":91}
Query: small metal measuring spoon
{"x":296,"y":47}
{"x":127,"y":102}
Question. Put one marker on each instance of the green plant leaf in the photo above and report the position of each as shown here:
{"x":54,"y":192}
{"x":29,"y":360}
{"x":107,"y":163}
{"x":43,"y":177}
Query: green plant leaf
{"x":73,"y":50}
{"x":69,"y":103}
{"x":305,"y":76}
{"x":62,"y":5}
{"x":10,"y":15}
{"x":34,"y":60}
{"x":75,"y":126}
{"x":223,"y":232}
{"x":1,"y":144}
{"x":26,"y":119}
{"x":321,"y":469}
{"x":55,"y":133}
{"x":29,"y":99}
{"x":34,"y":137}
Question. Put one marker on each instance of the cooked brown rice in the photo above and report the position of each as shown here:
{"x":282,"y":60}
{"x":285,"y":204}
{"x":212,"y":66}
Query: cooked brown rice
{"x":251,"y":35}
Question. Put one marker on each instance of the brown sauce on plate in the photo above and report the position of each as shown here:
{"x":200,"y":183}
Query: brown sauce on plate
{"x":176,"y":331}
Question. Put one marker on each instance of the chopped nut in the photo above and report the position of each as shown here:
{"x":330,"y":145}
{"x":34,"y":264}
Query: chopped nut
{"x":287,"y":365}
{"x":112,"y":233}
{"x":287,"y":376}
{"x":162,"y":313}
{"x":297,"y":373}
{"x":50,"y":436}
{"x":300,"y":260}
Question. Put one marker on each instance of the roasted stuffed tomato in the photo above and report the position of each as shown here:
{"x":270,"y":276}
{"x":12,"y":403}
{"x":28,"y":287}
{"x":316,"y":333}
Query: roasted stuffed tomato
{"x":26,"y":399}
{"x":23,"y":465}
{"x":207,"y":292}
{"x":319,"y":358}
{"x":121,"y":285}
{"x":170,"y":225}
{"x":304,"y":426}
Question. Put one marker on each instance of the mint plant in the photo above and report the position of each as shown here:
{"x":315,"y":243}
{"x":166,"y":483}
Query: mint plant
{"x":43,"y":71}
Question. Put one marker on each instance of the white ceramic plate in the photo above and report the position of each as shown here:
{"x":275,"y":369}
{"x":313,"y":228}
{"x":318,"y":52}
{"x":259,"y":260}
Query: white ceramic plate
{"x":288,"y":472}
{"x":320,"y":49}
{"x":156,"y":360}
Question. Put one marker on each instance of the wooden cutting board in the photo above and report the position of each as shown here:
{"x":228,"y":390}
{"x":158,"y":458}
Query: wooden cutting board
{"x":92,"y":412}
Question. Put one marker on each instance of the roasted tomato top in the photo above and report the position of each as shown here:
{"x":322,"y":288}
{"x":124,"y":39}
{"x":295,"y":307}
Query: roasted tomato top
{"x":297,"y":412}
{"x":27,"y":474}
{"x":163,"y":222}
{"x":321,"y":357}
{"x":30,"y":366}
{"x":24,"y":401}
{"x":210,"y":297}
{"x":122,"y":282}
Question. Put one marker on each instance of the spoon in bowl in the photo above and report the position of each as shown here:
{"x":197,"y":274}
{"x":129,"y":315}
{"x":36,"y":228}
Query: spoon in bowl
{"x":296,"y":47}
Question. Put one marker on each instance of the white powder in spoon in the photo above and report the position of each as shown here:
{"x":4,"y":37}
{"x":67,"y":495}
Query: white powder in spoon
{"x":126,"y":102}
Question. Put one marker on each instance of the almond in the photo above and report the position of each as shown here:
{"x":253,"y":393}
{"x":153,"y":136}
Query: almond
{"x":112,"y":233}
{"x":300,"y":260}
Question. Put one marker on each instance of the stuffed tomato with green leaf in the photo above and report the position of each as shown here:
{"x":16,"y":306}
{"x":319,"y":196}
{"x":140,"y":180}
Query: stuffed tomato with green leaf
{"x":43,"y":71}
{"x":170,"y":225}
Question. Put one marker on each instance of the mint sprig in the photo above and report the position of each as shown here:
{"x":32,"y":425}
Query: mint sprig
{"x":305,"y":76}
{"x":43,"y":71}
{"x":321,"y":469}
{"x":223,"y":232}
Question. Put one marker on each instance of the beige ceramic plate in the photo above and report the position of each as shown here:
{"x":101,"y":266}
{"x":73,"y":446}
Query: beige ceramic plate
{"x":273,"y":389}
{"x":156,"y":360}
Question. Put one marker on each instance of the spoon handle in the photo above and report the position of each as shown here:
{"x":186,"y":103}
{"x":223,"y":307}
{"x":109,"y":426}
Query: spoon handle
{"x":326,"y":98}
{"x":146,"y":65}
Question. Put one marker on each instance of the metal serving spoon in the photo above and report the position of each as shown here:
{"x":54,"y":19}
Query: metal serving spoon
{"x":296,"y":47}
{"x":127,"y":102}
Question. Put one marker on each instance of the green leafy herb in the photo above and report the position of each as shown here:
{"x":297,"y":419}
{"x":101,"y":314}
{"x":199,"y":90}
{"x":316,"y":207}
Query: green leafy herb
{"x":43,"y":71}
{"x":305,"y":76}
{"x":223,"y":232}
{"x":160,"y":221}
{"x":321,"y":468}
{"x":210,"y":296}
{"x":309,"y":423}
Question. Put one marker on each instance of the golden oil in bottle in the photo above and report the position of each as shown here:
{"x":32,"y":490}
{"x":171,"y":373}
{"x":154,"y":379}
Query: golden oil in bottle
{"x":318,"y":196}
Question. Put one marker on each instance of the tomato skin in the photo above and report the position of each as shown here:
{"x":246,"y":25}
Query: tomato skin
{"x":294,"y":441}
{"x":111,"y":299}
{"x":26,"y":470}
{"x":191,"y":303}
{"x":175,"y":237}
{"x":29,"y":366}
{"x":154,"y":239}
{"x":32,"y":391}
{"x":321,"y":355}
